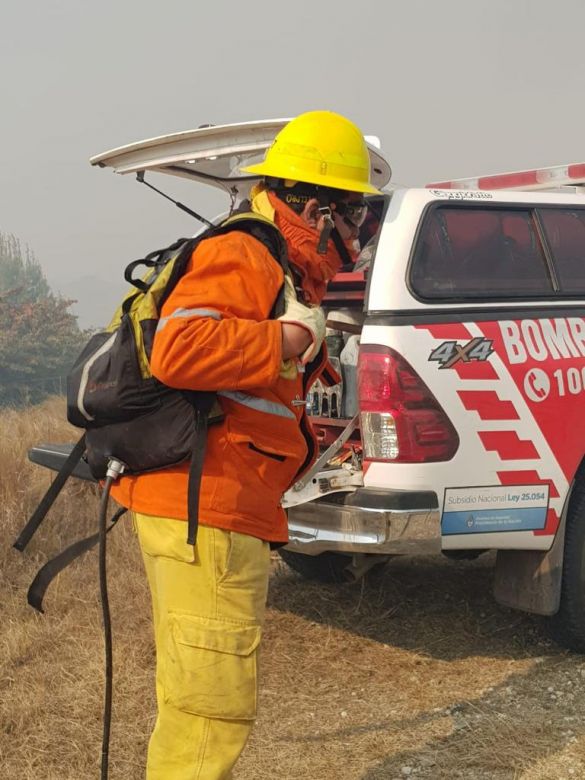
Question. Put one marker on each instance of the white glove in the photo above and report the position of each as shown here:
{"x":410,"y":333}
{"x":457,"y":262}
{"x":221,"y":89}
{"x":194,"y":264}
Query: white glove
{"x":311,"y":318}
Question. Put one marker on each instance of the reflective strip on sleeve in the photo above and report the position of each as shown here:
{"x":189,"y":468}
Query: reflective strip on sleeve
{"x":188,"y":313}
{"x":258,"y":404}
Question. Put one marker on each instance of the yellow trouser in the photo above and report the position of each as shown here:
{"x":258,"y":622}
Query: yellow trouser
{"x":208,"y":605}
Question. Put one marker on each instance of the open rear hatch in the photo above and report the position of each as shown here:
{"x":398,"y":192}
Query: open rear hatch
{"x":215,"y":155}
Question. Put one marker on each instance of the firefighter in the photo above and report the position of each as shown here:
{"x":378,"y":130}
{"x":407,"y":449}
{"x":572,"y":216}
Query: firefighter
{"x":216,"y":333}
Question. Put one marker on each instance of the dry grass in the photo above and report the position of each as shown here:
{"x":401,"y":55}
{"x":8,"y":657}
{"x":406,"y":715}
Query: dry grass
{"x":415,"y":672}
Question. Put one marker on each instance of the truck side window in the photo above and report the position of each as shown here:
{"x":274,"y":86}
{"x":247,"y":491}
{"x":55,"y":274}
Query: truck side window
{"x":565,"y":234}
{"x":478,"y":253}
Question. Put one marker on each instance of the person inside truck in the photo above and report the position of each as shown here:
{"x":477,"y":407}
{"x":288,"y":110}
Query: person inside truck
{"x":209,"y":600}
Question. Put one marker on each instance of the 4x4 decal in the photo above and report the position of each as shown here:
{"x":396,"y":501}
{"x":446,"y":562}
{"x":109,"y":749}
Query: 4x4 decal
{"x":450,"y":352}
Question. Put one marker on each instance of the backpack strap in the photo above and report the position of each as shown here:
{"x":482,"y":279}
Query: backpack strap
{"x":47,"y":573}
{"x":150,"y":261}
{"x":48,"y":499}
{"x":343,"y":252}
{"x":263,"y":230}
{"x":266,"y":232}
{"x":202,"y":404}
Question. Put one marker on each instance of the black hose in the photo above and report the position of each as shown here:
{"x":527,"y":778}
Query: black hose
{"x":107,"y":626}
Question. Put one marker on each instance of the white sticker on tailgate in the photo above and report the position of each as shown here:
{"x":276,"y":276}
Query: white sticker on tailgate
{"x":497,"y":508}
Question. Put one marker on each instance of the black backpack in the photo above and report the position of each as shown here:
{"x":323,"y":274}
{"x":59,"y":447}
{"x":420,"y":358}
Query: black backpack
{"x":129,"y":416}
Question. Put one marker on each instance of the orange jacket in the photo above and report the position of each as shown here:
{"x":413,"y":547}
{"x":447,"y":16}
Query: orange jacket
{"x":214,"y":334}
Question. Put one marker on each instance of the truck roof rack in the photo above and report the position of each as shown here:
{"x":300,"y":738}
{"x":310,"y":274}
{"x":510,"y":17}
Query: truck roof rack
{"x":553,"y":178}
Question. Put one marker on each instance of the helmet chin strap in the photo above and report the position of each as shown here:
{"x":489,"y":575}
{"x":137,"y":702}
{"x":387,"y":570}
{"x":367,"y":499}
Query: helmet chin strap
{"x":328,"y":223}
{"x":342,"y":250}
{"x":329,"y":230}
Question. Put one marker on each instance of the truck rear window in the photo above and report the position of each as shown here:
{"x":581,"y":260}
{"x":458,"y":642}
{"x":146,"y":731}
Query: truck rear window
{"x":479,"y":253}
{"x":565,"y":235}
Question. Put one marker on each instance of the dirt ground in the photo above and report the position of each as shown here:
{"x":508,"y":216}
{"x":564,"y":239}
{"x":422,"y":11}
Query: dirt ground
{"x":414,"y":672}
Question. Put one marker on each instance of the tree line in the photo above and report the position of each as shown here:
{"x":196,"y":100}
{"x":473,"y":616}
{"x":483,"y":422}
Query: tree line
{"x":39,"y":336}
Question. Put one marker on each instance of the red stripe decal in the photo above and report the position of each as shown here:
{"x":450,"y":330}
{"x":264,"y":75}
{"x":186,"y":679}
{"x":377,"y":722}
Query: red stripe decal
{"x":475,"y":369}
{"x":532,"y":478}
{"x":508,"y":445}
{"x":527,"y":478}
{"x":487,"y":404}
{"x":552,"y":523}
{"x":448,"y":331}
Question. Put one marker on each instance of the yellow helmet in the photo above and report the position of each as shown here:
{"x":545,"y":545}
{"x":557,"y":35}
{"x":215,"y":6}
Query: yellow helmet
{"x":319,"y":147}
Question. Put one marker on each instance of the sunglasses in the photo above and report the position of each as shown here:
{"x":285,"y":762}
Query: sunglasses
{"x":353,"y":211}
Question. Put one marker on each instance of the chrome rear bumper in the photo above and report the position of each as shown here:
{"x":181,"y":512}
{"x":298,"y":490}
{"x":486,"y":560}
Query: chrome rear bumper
{"x":368,"y":521}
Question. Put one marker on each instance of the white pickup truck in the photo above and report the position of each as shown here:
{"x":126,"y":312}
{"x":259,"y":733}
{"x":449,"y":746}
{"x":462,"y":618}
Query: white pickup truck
{"x":460,"y":334}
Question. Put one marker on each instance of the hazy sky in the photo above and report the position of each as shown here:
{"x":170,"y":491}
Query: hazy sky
{"x":452,"y":88}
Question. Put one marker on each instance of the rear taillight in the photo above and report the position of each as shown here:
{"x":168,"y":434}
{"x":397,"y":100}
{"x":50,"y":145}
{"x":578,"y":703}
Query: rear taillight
{"x":401,"y":419}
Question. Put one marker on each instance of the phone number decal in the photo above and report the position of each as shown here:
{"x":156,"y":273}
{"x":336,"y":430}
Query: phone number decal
{"x":538,"y":385}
